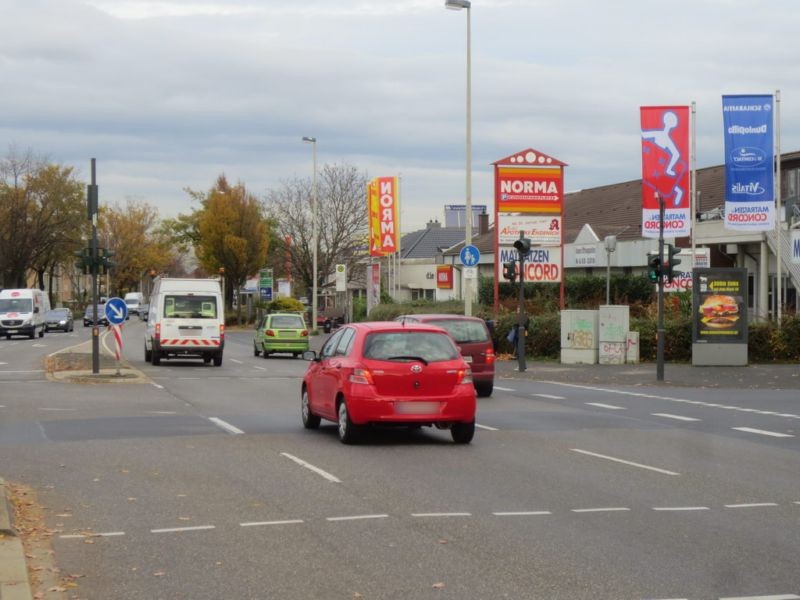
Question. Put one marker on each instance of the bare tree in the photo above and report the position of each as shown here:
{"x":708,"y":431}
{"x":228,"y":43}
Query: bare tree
{"x":342,"y":222}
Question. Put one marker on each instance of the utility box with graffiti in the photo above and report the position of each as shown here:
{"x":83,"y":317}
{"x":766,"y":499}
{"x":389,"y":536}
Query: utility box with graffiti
{"x":614,"y":322}
{"x":579,"y":337}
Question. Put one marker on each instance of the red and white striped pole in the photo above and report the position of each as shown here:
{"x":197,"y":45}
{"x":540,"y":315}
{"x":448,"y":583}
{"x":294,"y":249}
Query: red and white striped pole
{"x":117,"y":329}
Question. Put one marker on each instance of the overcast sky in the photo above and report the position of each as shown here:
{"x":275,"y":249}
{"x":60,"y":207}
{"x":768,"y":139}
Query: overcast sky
{"x":167,"y":94}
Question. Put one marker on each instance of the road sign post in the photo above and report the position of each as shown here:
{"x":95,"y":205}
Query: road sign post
{"x":116,"y":312}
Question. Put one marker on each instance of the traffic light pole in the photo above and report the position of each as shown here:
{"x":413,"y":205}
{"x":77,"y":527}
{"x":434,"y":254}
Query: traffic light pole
{"x":93,"y":202}
{"x":660,"y":330}
{"x":521,"y":329}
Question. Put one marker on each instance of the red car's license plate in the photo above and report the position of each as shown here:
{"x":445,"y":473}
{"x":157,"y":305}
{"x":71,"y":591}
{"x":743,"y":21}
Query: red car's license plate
{"x":416,"y":408}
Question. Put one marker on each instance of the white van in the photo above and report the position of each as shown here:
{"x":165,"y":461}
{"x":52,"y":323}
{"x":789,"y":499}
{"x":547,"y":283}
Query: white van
{"x":134,"y":301}
{"x":22,"y":312}
{"x":185,"y":320}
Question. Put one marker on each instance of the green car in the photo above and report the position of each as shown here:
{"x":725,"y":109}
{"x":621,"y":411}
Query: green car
{"x":281,"y":332}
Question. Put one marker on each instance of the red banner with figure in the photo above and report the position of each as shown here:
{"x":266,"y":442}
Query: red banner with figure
{"x":665,"y":170}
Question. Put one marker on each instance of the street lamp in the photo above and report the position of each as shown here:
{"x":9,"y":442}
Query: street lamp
{"x":314,"y":235}
{"x":458,"y":5}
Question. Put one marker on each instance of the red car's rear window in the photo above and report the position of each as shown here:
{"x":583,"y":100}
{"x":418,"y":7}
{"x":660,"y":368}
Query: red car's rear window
{"x":409,"y":345}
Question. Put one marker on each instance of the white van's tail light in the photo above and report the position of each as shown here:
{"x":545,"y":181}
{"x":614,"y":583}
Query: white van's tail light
{"x":158,"y":332}
{"x":362,"y":376}
{"x":222,"y":332}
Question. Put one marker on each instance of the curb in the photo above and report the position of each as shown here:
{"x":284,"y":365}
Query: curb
{"x":14,"y":584}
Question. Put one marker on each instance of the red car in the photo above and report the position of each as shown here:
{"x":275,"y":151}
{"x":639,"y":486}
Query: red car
{"x":389,"y":373}
{"x":473,"y":340}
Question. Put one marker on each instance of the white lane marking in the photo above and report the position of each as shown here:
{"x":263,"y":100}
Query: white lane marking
{"x":608,"y":406}
{"x":3,"y":363}
{"x":522,"y":513}
{"x":181,"y":529}
{"x":671,"y":399}
{"x":259,"y":368}
{"x":604,"y":509}
{"x":2,"y":406}
{"x":503,"y":389}
{"x":679,"y":508}
{"x":311,"y":467}
{"x":357,"y":517}
{"x":762,"y":432}
{"x":676,"y":417}
{"x":161,"y":412}
{"x":777,"y":597}
{"x":80,"y":536}
{"x":625,"y":462}
{"x":751,"y":505}
{"x":267,"y":523}
{"x":486,"y":427}
{"x":161,"y":387}
{"x":550,"y":396}
{"x":39,"y":345}
{"x":452,"y":514}
{"x":226,"y":426}
{"x":237,"y":361}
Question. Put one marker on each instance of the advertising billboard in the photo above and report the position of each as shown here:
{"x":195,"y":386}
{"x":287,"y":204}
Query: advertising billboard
{"x":720,"y":306}
{"x":749,"y":155}
{"x":529,"y":189}
{"x":444,"y":277}
{"x":383,"y":203}
{"x":541,"y":264}
{"x":665,"y":170}
{"x":541,"y":230}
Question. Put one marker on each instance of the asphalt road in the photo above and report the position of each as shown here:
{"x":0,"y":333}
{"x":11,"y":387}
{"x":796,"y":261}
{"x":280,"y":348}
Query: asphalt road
{"x":202,"y":483}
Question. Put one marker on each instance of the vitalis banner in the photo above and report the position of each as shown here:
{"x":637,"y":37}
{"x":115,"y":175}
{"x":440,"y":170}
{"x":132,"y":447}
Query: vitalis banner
{"x":749,"y":192}
{"x":665,"y":170}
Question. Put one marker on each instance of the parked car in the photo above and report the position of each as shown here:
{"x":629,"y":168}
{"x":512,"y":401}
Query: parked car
{"x":59,"y":318}
{"x":473,"y":339}
{"x":281,"y":332}
{"x":88,"y":315}
{"x":143,"y":310}
{"x":388,"y":373}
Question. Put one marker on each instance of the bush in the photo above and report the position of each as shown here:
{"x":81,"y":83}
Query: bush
{"x":760,"y":342}
{"x":285,"y":305}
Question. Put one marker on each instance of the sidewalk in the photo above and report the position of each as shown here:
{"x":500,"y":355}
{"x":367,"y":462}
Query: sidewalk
{"x":13,"y":570}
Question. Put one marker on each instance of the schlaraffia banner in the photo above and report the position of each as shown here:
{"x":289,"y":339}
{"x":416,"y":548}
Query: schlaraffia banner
{"x":749,"y":190}
{"x":665,"y":170}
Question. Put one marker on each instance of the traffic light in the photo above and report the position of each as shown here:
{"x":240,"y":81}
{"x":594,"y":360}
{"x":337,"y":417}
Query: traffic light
{"x":83,"y":260}
{"x":523,"y":246}
{"x":672,"y":262}
{"x":654,"y":267}
{"x":510,"y":271}
{"x":104,"y":260}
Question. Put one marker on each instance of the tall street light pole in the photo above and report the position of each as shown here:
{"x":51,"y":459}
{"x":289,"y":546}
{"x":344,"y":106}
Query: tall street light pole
{"x":314,"y":235}
{"x":458,"y":5}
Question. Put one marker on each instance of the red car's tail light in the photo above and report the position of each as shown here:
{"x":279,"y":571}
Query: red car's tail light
{"x":269,"y":333}
{"x":465,"y":376}
{"x":362,"y":376}
{"x":489,"y":355}
{"x":304,"y":333}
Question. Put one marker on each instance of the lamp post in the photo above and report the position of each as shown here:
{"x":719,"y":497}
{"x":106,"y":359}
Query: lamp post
{"x":314,"y":235}
{"x":611,"y":246}
{"x":458,"y":5}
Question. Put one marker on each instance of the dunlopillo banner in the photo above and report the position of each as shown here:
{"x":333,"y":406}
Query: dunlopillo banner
{"x":749,"y":189}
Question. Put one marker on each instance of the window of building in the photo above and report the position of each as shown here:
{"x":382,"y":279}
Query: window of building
{"x":422,"y":294}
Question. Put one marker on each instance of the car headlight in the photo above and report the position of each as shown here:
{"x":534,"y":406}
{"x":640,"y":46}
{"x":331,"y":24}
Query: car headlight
{"x":62,"y":322}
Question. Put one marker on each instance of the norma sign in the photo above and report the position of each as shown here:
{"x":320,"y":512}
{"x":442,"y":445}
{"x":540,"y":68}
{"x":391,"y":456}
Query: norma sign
{"x":529,"y":182}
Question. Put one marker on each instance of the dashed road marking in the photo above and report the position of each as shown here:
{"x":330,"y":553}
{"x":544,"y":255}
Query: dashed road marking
{"x":763,"y":432}
{"x":442,"y":514}
{"x":238,"y":362}
{"x":182,"y":529}
{"x":226,"y":426}
{"x":522,"y":513}
{"x":259,"y":368}
{"x":774,"y":597}
{"x":679,"y":508}
{"x":608,"y":406}
{"x":486,"y":427}
{"x":625,"y":462}
{"x":672,"y":399}
{"x":311,"y":467}
{"x":601,"y":509}
{"x":269,"y":523}
{"x":550,"y":396}
{"x":504,"y":389}
{"x":161,"y":387}
{"x":357,"y":517}
{"x":676,"y":417}
{"x":751,"y":505}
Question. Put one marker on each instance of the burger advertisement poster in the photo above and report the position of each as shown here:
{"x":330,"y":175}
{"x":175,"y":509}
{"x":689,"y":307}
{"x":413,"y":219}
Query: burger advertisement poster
{"x":720,"y":301}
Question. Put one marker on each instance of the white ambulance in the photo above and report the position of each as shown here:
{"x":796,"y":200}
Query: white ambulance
{"x":22,"y":312}
{"x":186,"y":320}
